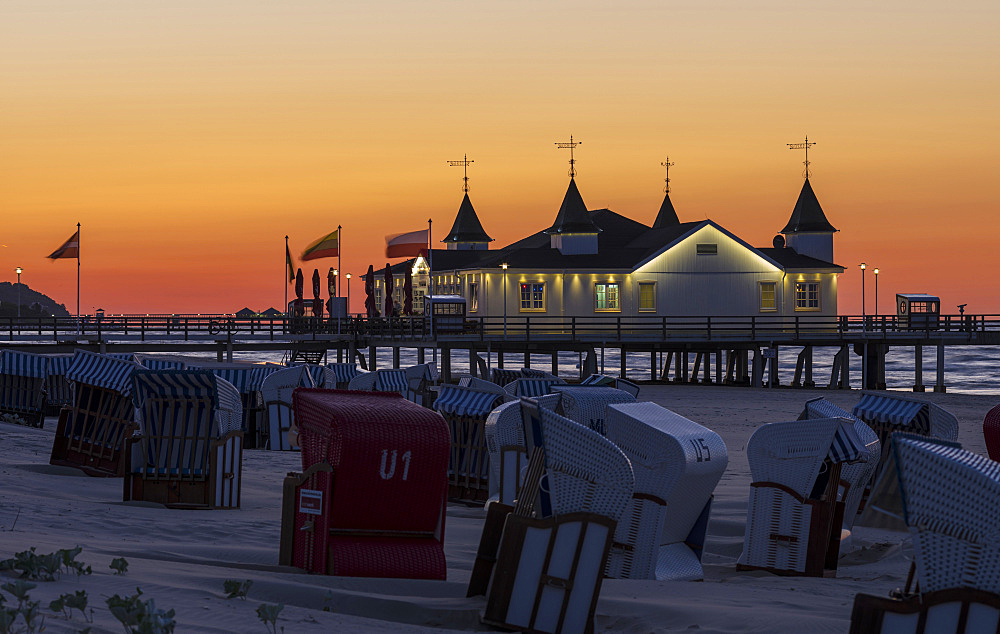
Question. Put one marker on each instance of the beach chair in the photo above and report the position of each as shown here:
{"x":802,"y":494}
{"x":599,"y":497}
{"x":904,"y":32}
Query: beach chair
{"x":342,"y":374}
{"x":794,"y":515}
{"x":371,"y":498}
{"x":554,"y":545}
{"x":530,"y":388}
{"x":481,"y":384}
{"x":419,"y":380}
{"x":363,"y":382}
{"x":247,"y":379}
{"x":391,"y":381}
{"x":188,"y":452}
{"x":58,"y":390}
{"x":888,"y":413}
{"x":163,"y":363}
{"x":90,"y":435}
{"x":276,"y":391}
{"x":991,"y":432}
{"x":532,"y":373}
{"x":465,"y":410}
{"x":504,"y":431}
{"x":949,"y":501}
{"x":588,"y":405}
{"x":502,"y":376}
{"x":676,"y":464}
{"x":610,"y":381}
{"x":855,"y":479}
{"x":22,"y":387}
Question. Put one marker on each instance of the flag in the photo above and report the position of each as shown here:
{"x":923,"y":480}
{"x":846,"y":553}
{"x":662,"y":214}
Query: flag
{"x":406,"y":245}
{"x":69,"y":249}
{"x":326,"y":247}
{"x":289,"y":265}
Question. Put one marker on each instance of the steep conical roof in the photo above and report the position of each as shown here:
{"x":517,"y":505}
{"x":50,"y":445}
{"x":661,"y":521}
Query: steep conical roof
{"x":467,"y":227}
{"x":666,"y":216}
{"x":807,"y":214}
{"x":573,"y":216}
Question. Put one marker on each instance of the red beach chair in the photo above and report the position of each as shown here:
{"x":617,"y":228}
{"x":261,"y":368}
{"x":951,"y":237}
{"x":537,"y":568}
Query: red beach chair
{"x":370,"y":501}
{"x":991,"y":430}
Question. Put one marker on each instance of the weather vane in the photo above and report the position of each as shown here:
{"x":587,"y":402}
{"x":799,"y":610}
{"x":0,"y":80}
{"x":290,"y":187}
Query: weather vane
{"x":802,"y":146}
{"x":464,"y":164}
{"x":667,"y":164}
{"x":571,"y":145}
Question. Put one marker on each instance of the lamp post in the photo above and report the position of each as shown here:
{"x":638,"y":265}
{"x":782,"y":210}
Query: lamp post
{"x":335,"y":274}
{"x":863,"y":267}
{"x":504,"y":267}
{"x":18,"y":269}
{"x":876,"y":293}
{"x":348,"y":294}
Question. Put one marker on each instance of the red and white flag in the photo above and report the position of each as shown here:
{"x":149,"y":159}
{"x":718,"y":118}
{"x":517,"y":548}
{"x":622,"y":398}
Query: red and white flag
{"x":406,"y":245}
{"x":69,"y":249}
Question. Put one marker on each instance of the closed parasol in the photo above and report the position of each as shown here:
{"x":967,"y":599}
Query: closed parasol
{"x":299,"y":292}
{"x":388,"y":290}
{"x":317,"y":301}
{"x":408,"y":292}
{"x":370,"y":306}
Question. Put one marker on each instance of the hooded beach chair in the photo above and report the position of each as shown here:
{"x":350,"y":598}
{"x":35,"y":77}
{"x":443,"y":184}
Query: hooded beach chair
{"x":531,"y":387}
{"x":555,"y":543}
{"x":676,"y":464}
{"x":371,"y":498}
{"x":949,"y":502}
{"x":247,"y":379}
{"x":991,"y":432}
{"x":91,"y":433}
{"x":481,"y":384}
{"x":58,"y":390}
{"x":888,"y":413}
{"x":22,"y":386}
{"x":276,"y":392}
{"x":362,"y":382}
{"x":610,"y":381}
{"x":342,"y":374}
{"x":163,"y":363}
{"x":503,"y":376}
{"x":188,"y":452}
{"x":855,"y":478}
{"x":588,"y":405}
{"x":465,"y":410}
{"x":391,"y":381}
{"x":504,"y":431}
{"x":794,"y":515}
{"x":419,"y":379}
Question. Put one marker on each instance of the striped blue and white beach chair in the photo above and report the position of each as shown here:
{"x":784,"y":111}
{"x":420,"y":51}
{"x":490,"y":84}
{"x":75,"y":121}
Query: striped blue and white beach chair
{"x":163,"y":363}
{"x":247,"y":379}
{"x":465,"y":410}
{"x":888,"y":413}
{"x":531,"y":388}
{"x":22,"y":387}
{"x":91,"y":434}
{"x":419,"y":379}
{"x":276,"y":390}
{"x":391,"y":381}
{"x":189,"y":449}
{"x":342,"y":374}
{"x":59,"y":391}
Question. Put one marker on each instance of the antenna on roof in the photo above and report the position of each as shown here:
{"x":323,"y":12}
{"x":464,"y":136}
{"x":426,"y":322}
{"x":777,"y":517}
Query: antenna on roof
{"x":667,"y":164}
{"x":464,"y":164}
{"x":571,"y":145}
{"x":802,"y":146}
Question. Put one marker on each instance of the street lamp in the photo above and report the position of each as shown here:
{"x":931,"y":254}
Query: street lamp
{"x":348,"y":294}
{"x":863,"y":267}
{"x":504,"y":267}
{"x":876,"y":293}
{"x":335,"y":274}
{"x":18,"y":269}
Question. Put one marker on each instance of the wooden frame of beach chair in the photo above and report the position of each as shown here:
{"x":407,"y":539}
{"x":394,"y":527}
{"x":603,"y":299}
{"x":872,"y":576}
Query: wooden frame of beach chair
{"x":991,"y":432}
{"x":855,"y":479}
{"x":371,"y":499}
{"x":189,"y":450}
{"x":466,"y":410}
{"x":554,"y":546}
{"x":588,"y":404}
{"x":955,"y":610}
{"x":22,"y":386}
{"x":504,"y":432}
{"x":276,"y":392}
{"x":794,"y":514}
{"x":677,"y":464}
{"x":90,"y":435}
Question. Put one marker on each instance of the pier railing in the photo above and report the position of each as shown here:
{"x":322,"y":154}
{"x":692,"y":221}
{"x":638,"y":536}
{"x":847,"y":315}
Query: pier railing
{"x":527,"y":328}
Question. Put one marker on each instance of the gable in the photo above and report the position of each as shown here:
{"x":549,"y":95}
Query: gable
{"x":731,"y":255}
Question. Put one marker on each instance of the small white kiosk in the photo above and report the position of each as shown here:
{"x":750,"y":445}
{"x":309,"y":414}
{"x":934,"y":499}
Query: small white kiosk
{"x":918,"y":311}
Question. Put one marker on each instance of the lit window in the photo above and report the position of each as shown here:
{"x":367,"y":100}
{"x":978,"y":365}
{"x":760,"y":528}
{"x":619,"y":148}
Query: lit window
{"x":807,"y":296}
{"x":768,"y":299}
{"x":473,"y":296}
{"x":647,"y":295}
{"x":606,"y":296}
{"x":533,"y":296}
{"x":707,"y":249}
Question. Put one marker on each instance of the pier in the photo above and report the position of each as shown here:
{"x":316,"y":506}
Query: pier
{"x":720,"y":350}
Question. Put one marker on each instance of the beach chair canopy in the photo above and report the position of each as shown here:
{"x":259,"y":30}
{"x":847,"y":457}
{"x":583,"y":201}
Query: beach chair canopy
{"x":391,"y":381}
{"x":25,"y":364}
{"x":425,"y":371}
{"x":588,"y":404}
{"x":104,"y":371}
{"x":532,"y":387}
{"x":898,"y":413}
{"x":532,"y":373}
{"x":363,"y":381}
{"x":189,"y":385}
{"x":481,"y":384}
{"x":157,"y":363}
{"x":343,"y":372}
{"x":502,"y":376}
{"x":59,"y":363}
{"x":123,"y":356}
{"x":464,"y":401}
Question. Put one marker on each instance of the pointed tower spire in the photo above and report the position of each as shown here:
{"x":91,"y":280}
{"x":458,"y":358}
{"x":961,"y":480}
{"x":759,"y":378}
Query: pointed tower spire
{"x":666,"y":216}
{"x":467,"y":232}
{"x":807,"y":215}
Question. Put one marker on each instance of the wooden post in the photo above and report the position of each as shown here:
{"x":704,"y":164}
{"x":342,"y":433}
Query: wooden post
{"x":845,"y":368}
{"x":758,"y":371}
{"x":395,"y":357}
{"x":809,"y":367}
{"x":555,"y":363}
{"x":500,"y":359}
{"x":473,"y":365}
{"x":340,"y":353}
{"x":624,"y":358}
{"x":918,"y":368}
{"x":527,"y":360}
{"x":446,"y":365}
{"x":652,"y":365}
{"x":718,"y":366}
{"x":371,"y":358}
{"x":939,"y":385}
{"x":421,"y":356}
{"x":882,"y":350}
{"x":707,"y":376}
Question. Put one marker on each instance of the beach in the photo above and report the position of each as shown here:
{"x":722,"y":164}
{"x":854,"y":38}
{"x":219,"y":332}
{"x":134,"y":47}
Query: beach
{"x":181,"y":558}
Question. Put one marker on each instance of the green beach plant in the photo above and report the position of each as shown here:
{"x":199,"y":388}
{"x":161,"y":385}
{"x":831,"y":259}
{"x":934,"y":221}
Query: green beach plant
{"x":268,"y":615}
{"x":141,"y":617}
{"x":119,"y":565}
{"x":234,"y":588}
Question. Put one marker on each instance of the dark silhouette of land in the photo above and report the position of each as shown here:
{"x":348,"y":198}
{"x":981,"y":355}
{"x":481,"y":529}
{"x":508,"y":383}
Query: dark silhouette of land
{"x":33,"y":303}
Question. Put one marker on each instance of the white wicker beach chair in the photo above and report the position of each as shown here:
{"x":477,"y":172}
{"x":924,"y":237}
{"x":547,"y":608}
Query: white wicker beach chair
{"x":504,"y":430}
{"x":611,"y":381}
{"x":419,"y":379}
{"x":22,"y":386}
{"x":276,"y":391}
{"x":793,"y":516}
{"x":481,"y":384}
{"x":553,"y":552}
{"x":856,"y":478}
{"x":466,"y":410}
{"x":188,"y":452}
{"x":588,"y":405}
{"x":888,"y":413}
{"x":677,"y":463}
{"x":365,"y":382}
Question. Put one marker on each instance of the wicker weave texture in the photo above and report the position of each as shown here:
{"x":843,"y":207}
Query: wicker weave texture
{"x":777,"y":531}
{"x":991,"y":432}
{"x":276,"y":392}
{"x":589,"y":405}
{"x":504,"y":431}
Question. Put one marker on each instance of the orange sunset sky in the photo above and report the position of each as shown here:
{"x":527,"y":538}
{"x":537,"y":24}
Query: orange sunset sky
{"x":189,"y":137}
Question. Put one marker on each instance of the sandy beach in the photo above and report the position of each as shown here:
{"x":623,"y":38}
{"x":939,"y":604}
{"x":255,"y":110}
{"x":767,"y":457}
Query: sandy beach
{"x":181,"y":558}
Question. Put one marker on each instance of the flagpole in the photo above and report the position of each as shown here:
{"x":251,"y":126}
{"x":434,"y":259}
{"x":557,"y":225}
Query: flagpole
{"x":340,"y":268}
{"x":284,"y":309}
{"x":78,"y":274}
{"x":430,"y":281}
